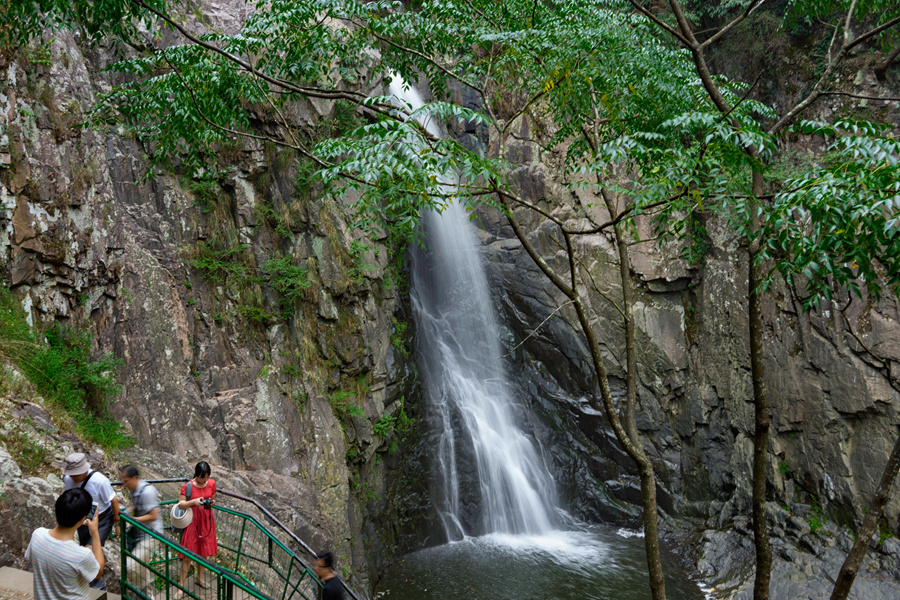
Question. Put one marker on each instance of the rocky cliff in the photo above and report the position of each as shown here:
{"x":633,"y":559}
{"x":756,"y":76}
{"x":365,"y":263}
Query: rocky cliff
{"x":256,"y":330}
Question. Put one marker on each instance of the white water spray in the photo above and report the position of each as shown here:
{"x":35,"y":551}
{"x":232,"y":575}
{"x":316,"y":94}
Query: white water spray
{"x":459,"y":352}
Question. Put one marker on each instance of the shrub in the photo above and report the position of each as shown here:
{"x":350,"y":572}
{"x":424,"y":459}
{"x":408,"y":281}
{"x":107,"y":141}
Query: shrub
{"x":344,"y":404}
{"x":217,"y":264}
{"x":62,"y":371}
{"x":287,"y":279}
{"x":28,"y":452}
{"x":393,"y":427}
{"x":397,"y":338}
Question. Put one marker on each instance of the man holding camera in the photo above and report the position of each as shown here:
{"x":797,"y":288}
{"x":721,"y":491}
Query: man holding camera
{"x":62,"y":568}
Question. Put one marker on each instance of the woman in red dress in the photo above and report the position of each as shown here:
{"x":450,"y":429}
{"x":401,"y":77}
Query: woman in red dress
{"x":200,"y":536}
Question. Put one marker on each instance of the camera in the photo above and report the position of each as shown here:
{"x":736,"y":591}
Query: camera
{"x":93,"y":511}
{"x":206,"y":503}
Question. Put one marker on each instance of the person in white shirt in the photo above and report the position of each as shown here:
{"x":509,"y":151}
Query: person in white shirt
{"x":78,"y":474}
{"x":62,"y":569}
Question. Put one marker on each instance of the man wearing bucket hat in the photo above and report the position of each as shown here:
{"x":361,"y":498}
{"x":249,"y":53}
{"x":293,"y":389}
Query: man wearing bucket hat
{"x":78,"y":474}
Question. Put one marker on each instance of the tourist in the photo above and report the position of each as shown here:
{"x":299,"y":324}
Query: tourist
{"x":144,"y":509}
{"x":200,"y":536}
{"x":62,"y":568}
{"x":78,"y":474}
{"x":332,"y":587}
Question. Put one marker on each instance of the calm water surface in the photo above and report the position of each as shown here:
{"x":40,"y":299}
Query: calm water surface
{"x":592,"y":565}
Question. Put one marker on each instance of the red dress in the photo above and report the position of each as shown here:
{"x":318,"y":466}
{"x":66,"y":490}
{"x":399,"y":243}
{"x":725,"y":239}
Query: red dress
{"x":200,"y":536}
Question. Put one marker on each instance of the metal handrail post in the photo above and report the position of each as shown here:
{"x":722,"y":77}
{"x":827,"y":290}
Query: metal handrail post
{"x":214,"y":569}
{"x":271,"y":517}
{"x":123,"y":535}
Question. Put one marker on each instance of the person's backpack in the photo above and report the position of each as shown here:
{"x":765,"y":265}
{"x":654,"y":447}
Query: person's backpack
{"x":132,"y":533}
{"x":83,"y":532}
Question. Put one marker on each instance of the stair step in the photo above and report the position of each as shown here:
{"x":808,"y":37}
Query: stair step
{"x":18,"y":580}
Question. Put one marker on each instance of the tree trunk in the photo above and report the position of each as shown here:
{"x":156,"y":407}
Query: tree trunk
{"x":647,"y":475}
{"x":761,"y":419}
{"x":640,"y":458}
{"x":850,"y":568}
{"x":634,"y":449}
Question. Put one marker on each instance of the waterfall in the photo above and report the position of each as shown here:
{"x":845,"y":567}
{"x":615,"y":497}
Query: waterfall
{"x":478,"y":443}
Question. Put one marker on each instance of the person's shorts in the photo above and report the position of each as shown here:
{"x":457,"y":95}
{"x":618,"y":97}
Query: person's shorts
{"x":104,"y":527}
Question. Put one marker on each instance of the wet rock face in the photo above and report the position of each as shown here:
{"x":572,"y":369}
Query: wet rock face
{"x":834,"y":416}
{"x":212,"y":370}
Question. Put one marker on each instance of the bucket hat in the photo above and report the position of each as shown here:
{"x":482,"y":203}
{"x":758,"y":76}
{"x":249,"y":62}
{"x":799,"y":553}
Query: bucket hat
{"x":76,"y":464}
{"x":181,"y":517}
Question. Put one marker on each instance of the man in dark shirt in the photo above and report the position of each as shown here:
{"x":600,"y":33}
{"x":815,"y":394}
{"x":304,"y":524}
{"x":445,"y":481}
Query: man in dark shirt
{"x":332,"y":588}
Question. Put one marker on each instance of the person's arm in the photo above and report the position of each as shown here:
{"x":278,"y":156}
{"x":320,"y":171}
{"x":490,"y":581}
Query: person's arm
{"x":95,"y":542}
{"x":115,"y":508}
{"x":149,"y":517}
{"x":183,"y":502}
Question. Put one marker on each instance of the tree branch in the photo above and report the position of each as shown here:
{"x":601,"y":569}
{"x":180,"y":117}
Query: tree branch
{"x":302,"y":150}
{"x":881,"y":70}
{"x":528,"y":205}
{"x":719,"y":34}
{"x":817,"y":90}
{"x":535,"y":330}
{"x":540,"y":94}
{"x":872,"y":32}
{"x":659,"y":23}
{"x":684,"y":25}
{"x":847,"y":23}
{"x":532,"y":251}
{"x":625,"y":213}
{"x":310,"y":92}
{"x":861,"y":97}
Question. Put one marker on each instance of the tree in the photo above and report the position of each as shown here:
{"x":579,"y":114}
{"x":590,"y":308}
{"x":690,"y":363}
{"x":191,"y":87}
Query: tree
{"x":819,"y":259}
{"x":839,"y":227}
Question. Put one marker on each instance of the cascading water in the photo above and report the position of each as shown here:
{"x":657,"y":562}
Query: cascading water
{"x":496,"y":498}
{"x":459,"y":352}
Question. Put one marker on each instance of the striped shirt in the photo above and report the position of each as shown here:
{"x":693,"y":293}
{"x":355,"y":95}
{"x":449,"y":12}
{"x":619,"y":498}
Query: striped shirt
{"x":62,"y":570}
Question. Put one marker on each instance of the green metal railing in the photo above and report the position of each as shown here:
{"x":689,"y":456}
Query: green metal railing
{"x":250,"y":563}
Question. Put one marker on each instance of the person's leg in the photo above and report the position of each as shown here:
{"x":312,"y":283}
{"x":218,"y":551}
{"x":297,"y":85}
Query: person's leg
{"x":104,"y":526}
{"x":198,"y":575}
{"x":185,"y":569}
{"x":139,"y":573}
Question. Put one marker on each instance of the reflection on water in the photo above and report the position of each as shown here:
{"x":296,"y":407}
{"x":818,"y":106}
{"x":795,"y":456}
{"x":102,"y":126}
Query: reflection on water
{"x":561,"y":565}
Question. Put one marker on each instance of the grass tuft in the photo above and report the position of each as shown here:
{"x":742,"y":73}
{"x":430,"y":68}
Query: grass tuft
{"x":60,"y":367}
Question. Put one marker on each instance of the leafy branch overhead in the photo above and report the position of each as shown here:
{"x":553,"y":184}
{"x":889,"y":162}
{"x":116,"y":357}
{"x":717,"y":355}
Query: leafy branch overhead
{"x":838,"y":225}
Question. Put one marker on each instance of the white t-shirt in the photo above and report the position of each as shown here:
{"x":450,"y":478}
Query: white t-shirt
{"x":62,"y":570}
{"x":98,"y":487}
